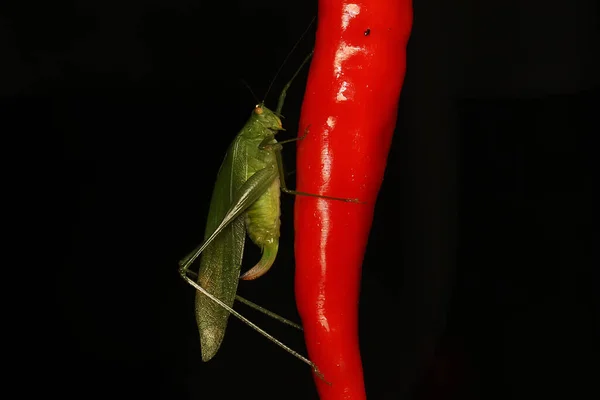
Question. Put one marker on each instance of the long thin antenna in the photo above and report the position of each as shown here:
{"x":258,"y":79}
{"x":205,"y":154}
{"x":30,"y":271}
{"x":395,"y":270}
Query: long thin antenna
{"x":288,"y":56}
{"x":250,"y":90}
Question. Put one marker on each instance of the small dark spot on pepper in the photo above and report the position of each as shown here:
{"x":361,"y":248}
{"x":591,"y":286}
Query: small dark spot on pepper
{"x":367,"y":32}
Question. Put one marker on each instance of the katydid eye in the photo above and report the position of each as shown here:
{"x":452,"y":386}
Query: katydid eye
{"x":258,"y":109}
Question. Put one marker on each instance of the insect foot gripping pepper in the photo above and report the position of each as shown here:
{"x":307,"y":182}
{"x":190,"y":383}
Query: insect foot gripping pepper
{"x":350,"y":107}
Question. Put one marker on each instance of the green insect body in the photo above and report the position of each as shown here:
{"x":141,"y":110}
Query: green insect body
{"x":246,"y":161}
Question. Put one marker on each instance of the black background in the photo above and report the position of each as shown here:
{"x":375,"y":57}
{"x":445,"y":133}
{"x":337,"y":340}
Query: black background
{"x":478,"y":278}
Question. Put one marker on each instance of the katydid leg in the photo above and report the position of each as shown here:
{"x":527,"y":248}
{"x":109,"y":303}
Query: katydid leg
{"x":252,"y":325}
{"x":276,"y":147}
{"x":257,"y":307}
{"x":297,"y":193}
{"x":267,"y":145}
{"x":287,"y":85}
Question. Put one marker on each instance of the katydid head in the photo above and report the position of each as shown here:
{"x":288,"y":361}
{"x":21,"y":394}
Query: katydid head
{"x":267,"y":118}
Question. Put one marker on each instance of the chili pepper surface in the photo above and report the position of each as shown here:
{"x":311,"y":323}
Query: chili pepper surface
{"x":350,"y":109}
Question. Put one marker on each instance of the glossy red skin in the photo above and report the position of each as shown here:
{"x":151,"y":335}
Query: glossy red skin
{"x":350,"y":107}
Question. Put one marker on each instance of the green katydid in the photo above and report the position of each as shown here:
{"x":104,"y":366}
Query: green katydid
{"x":246,"y":198}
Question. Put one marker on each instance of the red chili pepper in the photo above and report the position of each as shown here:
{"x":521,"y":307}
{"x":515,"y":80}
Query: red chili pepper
{"x":350,"y":109}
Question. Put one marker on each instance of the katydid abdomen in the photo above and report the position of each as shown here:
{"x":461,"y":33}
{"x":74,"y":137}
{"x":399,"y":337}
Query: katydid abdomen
{"x":263,"y":217}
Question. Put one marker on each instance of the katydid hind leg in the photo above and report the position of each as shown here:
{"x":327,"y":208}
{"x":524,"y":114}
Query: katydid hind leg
{"x":252,"y":325}
{"x":256,"y":307}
